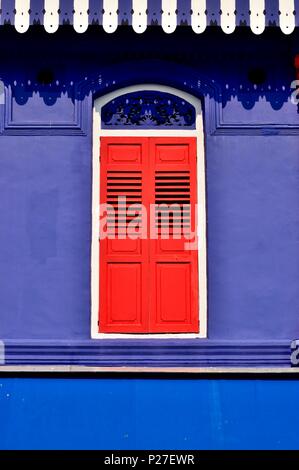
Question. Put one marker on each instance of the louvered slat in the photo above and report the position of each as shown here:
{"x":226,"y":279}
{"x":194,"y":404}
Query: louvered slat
{"x":172,"y":188}
{"x":124,"y":188}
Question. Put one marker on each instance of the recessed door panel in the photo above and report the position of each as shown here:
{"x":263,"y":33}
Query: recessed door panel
{"x":173,"y":293}
{"x":124,"y":293}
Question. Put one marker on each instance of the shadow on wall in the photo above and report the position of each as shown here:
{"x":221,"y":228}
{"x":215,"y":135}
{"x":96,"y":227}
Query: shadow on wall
{"x":46,"y":98}
{"x":48,"y":84}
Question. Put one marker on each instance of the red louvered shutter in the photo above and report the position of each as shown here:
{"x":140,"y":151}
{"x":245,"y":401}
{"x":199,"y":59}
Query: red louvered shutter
{"x":149,"y":285}
{"x":123,"y":260}
{"x":173,"y":266}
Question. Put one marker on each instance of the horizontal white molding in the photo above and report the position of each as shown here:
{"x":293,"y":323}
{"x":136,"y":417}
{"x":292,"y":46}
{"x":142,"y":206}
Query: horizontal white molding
{"x":198,"y":19}
{"x":148,"y":370}
{"x":81,"y":15}
{"x":110,"y":15}
{"x":139,"y":15}
{"x":169,"y":16}
{"x":228,"y":17}
{"x":257,"y":16}
{"x":22,"y":15}
{"x":287,"y":16}
{"x":51,"y":16}
{"x":198,"y":15}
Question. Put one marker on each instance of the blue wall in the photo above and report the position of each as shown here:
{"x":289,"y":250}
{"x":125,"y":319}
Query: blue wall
{"x":252,"y":167}
{"x":151,"y":413}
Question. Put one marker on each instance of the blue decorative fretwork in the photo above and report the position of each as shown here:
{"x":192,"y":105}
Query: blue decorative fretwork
{"x":148,"y":109}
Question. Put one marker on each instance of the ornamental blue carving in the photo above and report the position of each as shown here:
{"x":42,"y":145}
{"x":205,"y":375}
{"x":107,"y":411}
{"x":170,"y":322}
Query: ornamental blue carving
{"x":148,"y":109}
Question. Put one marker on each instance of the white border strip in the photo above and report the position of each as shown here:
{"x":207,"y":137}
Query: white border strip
{"x":201,"y":196}
{"x":80,"y":19}
{"x":198,"y":15}
{"x":228,"y":17}
{"x":110,"y":15}
{"x":51,"y":16}
{"x":139,"y":16}
{"x":152,"y":370}
{"x":287,"y":16}
{"x":22,"y":15}
{"x":169,"y":16}
{"x":257,"y":16}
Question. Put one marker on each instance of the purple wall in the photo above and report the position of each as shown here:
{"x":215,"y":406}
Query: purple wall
{"x":252,"y":171}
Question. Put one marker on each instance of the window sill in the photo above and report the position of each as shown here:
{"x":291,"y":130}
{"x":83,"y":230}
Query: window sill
{"x":158,"y":353}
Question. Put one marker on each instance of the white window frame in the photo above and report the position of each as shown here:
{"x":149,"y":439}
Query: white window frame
{"x":201,"y":204}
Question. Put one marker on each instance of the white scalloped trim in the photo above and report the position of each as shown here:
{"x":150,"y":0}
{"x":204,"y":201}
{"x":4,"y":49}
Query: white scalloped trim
{"x":110,"y":16}
{"x":81,"y":15}
{"x":228,"y":17}
{"x":199,"y":20}
{"x":51,"y":16}
{"x":169,"y":16}
{"x":257,"y":16}
{"x":22,"y":16}
{"x":198,"y":16}
{"x":139,"y":17}
{"x":287,"y":16}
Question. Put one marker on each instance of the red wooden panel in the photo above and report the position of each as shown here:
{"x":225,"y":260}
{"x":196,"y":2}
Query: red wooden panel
{"x":129,"y":153}
{"x":173,"y":293}
{"x":174,"y":153}
{"x":124,"y":294}
{"x":123,"y":260}
{"x":174,"y":266}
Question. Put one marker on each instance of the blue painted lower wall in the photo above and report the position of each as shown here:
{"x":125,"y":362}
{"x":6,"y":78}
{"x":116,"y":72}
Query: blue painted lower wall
{"x":148,"y":413}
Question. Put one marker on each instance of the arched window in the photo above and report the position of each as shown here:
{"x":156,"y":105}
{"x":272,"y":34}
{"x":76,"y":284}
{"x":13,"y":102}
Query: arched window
{"x":149,"y":220}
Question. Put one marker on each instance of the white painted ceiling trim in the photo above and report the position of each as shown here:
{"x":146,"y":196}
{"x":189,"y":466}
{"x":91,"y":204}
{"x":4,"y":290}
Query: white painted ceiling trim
{"x":51,"y":16}
{"x":199,"y":15}
{"x":228,"y":16}
{"x":110,"y":15}
{"x":22,"y":15}
{"x":81,"y":15}
{"x":139,"y":15}
{"x":169,"y":16}
{"x":287,"y":16}
{"x":257,"y":16}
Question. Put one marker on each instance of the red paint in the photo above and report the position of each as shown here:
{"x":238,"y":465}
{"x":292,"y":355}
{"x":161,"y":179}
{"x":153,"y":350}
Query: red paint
{"x":149,"y":285}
